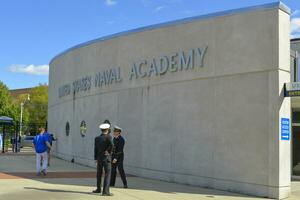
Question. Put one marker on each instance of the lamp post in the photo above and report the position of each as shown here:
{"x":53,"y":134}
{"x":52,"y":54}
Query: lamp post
{"x":21,"y":119}
{"x":21,"y":115}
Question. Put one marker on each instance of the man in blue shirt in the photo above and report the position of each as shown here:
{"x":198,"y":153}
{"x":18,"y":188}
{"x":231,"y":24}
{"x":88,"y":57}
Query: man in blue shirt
{"x":41,"y":145}
{"x":50,"y":139}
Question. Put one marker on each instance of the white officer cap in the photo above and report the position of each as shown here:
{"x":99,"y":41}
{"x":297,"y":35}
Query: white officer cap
{"x":104,"y":126}
{"x":117,"y":128}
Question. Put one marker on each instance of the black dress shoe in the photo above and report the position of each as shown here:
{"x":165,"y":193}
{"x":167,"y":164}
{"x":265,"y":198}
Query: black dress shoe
{"x":44,"y":172}
{"x":97,"y":191}
{"x":125,"y":186}
{"x":107,"y":194}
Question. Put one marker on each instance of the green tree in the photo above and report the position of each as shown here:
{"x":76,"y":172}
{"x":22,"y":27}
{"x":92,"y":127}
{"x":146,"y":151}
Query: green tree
{"x":34,"y":110}
{"x":38,"y":105}
{"x":7,"y":107}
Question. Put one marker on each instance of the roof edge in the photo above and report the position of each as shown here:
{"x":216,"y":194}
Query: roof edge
{"x":273,"y":5}
{"x":295,"y":40}
{"x":284,"y":8}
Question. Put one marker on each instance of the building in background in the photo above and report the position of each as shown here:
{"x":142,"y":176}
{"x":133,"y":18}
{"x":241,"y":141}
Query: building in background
{"x":295,"y":102}
{"x":17,"y":92}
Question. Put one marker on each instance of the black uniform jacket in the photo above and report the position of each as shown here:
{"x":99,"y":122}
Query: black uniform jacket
{"x":103,"y":145}
{"x":118,"y":147}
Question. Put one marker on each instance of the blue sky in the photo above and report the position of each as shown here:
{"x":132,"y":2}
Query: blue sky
{"x":34,"y":31}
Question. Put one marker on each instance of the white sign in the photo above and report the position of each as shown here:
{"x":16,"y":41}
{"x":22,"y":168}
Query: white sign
{"x":292,"y":89}
{"x":292,"y":86}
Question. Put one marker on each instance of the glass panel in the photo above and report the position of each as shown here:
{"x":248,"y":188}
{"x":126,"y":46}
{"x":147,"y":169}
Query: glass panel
{"x":296,"y":117}
{"x":294,"y":68}
{"x":297,"y":67}
{"x":296,"y":150}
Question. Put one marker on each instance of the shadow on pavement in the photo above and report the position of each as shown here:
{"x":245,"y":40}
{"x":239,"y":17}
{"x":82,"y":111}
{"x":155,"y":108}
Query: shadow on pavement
{"x":140,"y":184}
{"x":56,"y":190}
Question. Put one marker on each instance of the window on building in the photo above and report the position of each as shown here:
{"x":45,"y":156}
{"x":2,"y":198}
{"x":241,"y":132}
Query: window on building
{"x":297,"y":61}
{"x":294,"y":68}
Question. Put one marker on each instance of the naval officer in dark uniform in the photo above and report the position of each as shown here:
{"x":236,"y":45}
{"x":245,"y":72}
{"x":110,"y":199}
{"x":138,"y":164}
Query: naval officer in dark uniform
{"x":102,"y":155}
{"x":118,"y":157}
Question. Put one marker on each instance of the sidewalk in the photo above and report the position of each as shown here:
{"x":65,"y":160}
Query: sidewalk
{"x":71,"y":181}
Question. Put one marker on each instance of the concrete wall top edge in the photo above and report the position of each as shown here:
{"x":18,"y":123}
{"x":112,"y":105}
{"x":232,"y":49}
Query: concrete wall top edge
{"x":275,"y":5}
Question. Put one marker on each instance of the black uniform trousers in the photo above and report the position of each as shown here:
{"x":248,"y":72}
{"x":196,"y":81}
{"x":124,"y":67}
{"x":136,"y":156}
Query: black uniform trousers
{"x":119,"y":165}
{"x":105,"y":165}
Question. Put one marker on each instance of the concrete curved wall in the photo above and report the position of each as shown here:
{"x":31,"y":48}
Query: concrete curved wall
{"x":199,"y":99}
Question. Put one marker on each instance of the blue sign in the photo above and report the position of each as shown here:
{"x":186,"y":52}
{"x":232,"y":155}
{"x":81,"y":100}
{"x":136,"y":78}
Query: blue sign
{"x":285,"y":129}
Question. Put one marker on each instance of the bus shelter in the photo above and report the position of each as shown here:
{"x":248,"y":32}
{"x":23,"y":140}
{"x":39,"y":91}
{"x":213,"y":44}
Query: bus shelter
{"x":5,"y":122}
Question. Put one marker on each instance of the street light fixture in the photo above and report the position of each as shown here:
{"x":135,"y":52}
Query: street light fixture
{"x":22,"y":107}
{"x":21,"y":118}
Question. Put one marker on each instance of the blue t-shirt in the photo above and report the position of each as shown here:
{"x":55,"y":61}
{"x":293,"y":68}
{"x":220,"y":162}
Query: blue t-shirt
{"x":39,"y":142}
{"x":48,"y":137}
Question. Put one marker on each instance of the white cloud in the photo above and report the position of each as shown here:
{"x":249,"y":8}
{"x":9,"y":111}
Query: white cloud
{"x":30,"y":69}
{"x":297,"y":35}
{"x":295,"y":27}
{"x":159,"y":8}
{"x":110,"y":2}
